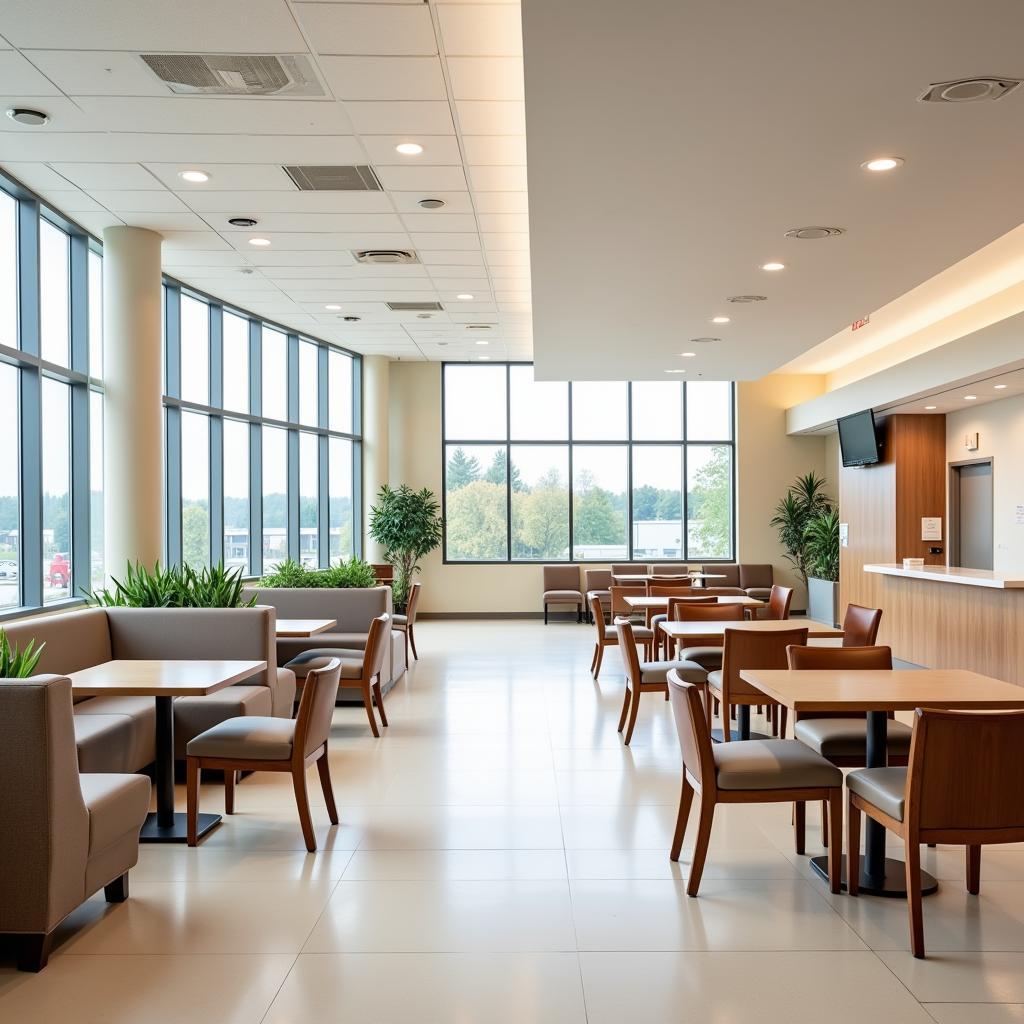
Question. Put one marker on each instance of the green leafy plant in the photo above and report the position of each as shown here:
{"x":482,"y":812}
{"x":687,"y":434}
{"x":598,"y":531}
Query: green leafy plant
{"x":174,"y":587}
{"x":822,"y":545}
{"x":407,"y":524}
{"x":290,"y":574}
{"x":805,"y":499}
{"x":18,"y":664}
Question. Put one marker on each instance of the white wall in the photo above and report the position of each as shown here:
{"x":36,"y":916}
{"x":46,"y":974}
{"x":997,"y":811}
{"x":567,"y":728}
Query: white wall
{"x":1000,"y":429}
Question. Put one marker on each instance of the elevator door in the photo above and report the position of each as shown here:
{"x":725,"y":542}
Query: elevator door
{"x":973,"y":549}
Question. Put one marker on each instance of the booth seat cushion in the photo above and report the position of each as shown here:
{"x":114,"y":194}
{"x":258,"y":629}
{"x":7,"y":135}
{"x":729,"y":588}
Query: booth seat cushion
{"x":117,"y":806}
{"x":351,"y":662}
{"x":730,"y":574}
{"x":847,"y":737}
{"x":142,"y":712}
{"x":709,"y":658}
{"x":107,"y":743}
{"x":772,"y":764}
{"x":657,"y":671}
{"x":756,"y":575}
{"x":759,"y":593}
{"x":194,"y":715}
{"x":252,"y":737}
{"x":883,"y":787}
{"x":558,"y":596}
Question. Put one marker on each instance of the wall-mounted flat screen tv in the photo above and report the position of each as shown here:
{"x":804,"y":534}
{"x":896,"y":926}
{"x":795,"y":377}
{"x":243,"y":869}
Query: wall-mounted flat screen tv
{"x":858,"y":440}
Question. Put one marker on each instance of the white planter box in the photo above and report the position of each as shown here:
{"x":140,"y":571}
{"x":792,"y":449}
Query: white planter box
{"x":823,"y":601}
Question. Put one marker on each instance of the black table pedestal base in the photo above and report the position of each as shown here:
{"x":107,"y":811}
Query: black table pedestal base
{"x":178,"y":832}
{"x":717,"y":735}
{"x":893,"y":884}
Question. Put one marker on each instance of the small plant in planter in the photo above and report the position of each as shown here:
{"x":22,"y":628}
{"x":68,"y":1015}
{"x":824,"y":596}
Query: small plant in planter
{"x":174,"y":587}
{"x":290,"y":574}
{"x":18,"y":664}
{"x":822,"y":548}
{"x":804,"y":500}
{"x":407,"y":524}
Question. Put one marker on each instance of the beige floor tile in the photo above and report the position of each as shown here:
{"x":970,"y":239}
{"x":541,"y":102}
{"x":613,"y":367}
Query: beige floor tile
{"x":960,"y":977}
{"x":722,"y":862}
{"x":228,"y":989}
{"x":180,"y":864}
{"x":418,"y":827}
{"x":616,"y":787}
{"x":398,"y":988}
{"x":480,"y":865}
{"x":445,"y":916}
{"x":976,"y":1013}
{"x":500,"y":788}
{"x":769,"y":988}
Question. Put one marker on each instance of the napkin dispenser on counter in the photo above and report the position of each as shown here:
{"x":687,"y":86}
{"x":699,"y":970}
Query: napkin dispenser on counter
{"x":913,"y":563}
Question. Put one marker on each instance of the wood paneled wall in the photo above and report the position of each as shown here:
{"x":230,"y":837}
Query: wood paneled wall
{"x":916,"y":446}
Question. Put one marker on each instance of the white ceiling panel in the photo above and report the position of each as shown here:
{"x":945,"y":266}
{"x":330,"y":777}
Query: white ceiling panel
{"x":504,"y":222}
{"x":162,"y":222}
{"x":453,"y":270}
{"x":369,"y":29}
{"x":443,"y":258}
{"x":193,"y":240}
{"x":486,"y":78}
{"x":373,"y":223}
{"x":402,"y":117}
{"x":437,"y":240}
{"x":385,"y":78}
{"x":310,"y":241}
{"x":454,"y":202}
{"x":439,"y":221}
{"x":500,"y":202}
{"x":325,"y":276}
{"x":142,"y":201}
{"x":315,"y":259}
{"x":492,"y":117}
{"x":72,"y":200}
{"x":19,"y":78}
{"x":229,"y":26}
{"x":437,"y":150}
{"x":481,"y":30}
{"x":399,"y":287}
{"x":425,"y":179}
{"x":451,"y":287}
{"x":495,"y":150}
{"x":108,"y":176}
{"x":65,"y":116}
{"x":498,"y":179}
{"x":98,"y":72}
{"x":181,"y":259}
{"x":506,"y":241}
{"x":252,"y":201}
{"x":96,"y":222}
{"x":508,"y":258}
{"x":223,"y":176}
{"x":36,"y":175}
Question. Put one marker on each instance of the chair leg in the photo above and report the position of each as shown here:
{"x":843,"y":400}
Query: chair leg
{"x":599,"y":658}
{"x":912,"y":855}
{"x":700,"y":850}
{"x":405,"y":637}
{"x":634,"y":707}
{"x":784,"y":713}
{"x":625,"y":709}
{"x":117,"y":890}
{"x":685,"y":801}
{"x":192,"y":774}
{"x":799,"y":826}
{"x":974,"y":870}
{"x":824,"y":823}
{"x":324,"y":768}
{"x":34,"y":951}
{"x":852,"y":848}
{"x":302,"y":803}
{"x":229,"y":791}
{"x":368,"y":704}
{"x":579,"y":614}
{"x":412,"y":641}
{"x":545,"y":615}
{"x":380,"y":702}
{"x":726,"y":728}
{"x":593,"y":658}
{"x":835,"y":846}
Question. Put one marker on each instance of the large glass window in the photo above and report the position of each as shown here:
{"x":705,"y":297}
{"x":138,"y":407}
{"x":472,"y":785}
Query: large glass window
{"x":236,"y":494}
{"x":275,"y":374}
{"x":640,"y":470}
{"x":10,"y":470}
{"x":275,"y":496}
{"x":309,"y":383}
{"x":195,"y":488}
{"x":236,"y":362}
{"x":309,"y":498}
{"x":340,"y":514}
{"x":95,"y":314}
{"x":54,"y":294}
{"x":195,"y":350}
{"x":8,"y":270}
{"x":339,"y":375}
{"x":96,"y":560}
{"x":56,"y":449}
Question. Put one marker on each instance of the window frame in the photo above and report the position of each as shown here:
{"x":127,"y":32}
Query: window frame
{"x":682,"y":444}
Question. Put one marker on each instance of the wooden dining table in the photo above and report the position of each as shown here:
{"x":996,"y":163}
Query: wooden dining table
{"x":643,"y":603}
{"x":879,"y":692}
{"x":303,"y":628}
{"x":163,"y":680}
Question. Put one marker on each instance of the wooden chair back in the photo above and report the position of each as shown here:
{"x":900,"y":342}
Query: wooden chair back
{"x":837,"y":659}
{"x":384,"y":571}
{"x":694,"y":735}
{"x":966,"y":776}
{"x":860,"y":626}
{"x":670,"y":569}
{"x":377,"y":641}
{"x":618,"y":592}
{"x":692,"y":611}
{"x":316,"y":707}
{"x":630,"y":569}
{"x":627,"y":648}
{"x":413,"y":603}
{"x":748,"y":648}
{"x":779,"y":601}
{"x":656,"y":589}
{"x":597,"y":614}
{"x":689,"y":602}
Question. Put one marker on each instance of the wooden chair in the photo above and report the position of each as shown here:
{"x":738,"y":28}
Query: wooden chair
{"x":778,"y":602}
{"x":964,"y":785}
{"x":562,"y":586}
{"x":406,"y":623}
{"x":618,"y":592}
{"x":745,"y":648}
{"x":708,"y":657}
{"x":670,"y":569}
{"x":597,"y":581}
{"x":647,"y":676}
{"x":842,"y":737}
{"x":860,"y":626}
{"x":674,"y":601}
{"x":758,"y":771}
{"x":258,"y":744}
{"x":607,"y":636}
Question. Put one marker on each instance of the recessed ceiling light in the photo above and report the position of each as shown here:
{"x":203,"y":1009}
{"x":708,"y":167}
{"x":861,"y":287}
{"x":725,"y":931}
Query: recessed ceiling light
{"x":196,"y":177}
{"x":773,"y":266}
{"x":970,"y":398}
{"x":688,"y":355}
{"x":483,"y":359}
{"x":259,"y":242}
{"x":999,"y":387}
{"x":675,"y":371}
{"x":409,"y":148}
{"x":242,"y":222}
{"x":25,"y":115}
{"x":721,"y":319}
{"x":930,"y":407}
{"x":431,"y":204}
{"x":814,"y":232}
{"x":464,"y":297}
{"x":332,"y":306}
{"x":883,"y":163}
{"x":742,"y":299}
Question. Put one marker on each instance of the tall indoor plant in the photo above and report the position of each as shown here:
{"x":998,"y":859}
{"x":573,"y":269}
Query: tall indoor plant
{"x":805,"y":500}
{"x":822,"y":548}
{"x":407,"y":524}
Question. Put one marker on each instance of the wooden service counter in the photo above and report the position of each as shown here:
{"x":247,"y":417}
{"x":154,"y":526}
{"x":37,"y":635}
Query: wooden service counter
{"x":952,"y":618}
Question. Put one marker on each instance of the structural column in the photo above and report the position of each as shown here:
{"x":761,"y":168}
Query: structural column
{"x":133,"y":447}
{"x":375,"y":442}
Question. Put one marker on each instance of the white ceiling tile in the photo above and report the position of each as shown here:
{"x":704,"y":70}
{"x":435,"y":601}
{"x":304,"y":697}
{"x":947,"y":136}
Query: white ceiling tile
{"x":193,"y":240}
{"x":98,"y":72}
{"x":108,"y":176}
{"x":64,"y":116}
{"x":161,"y":222}
{"x":369,"y":29}
{"x":500,"y":150}
{"x":72,"y":201}
{"x":401,"y":117}
{"x":396,"y":288}
{"x":96,"y":222}
{"x":385,"y":78}
{"x":455,"y":270}
{"x":481,"y":30}
{"x":509,"y":258}
{"x":501,"y":202}
{"x":504,"y":222}
{"x":438,"y":150}
{"x":324,"y":258}
{"x":439,"y":221}
{"x":184,"y":26}
{"x":223,"y":176}
{"x":180,"y":259}
{"x":19,"y":78}
{"x":486,"y":78}
{"x":454,"y":202}
{"x":237,"y":284}
{"x":143,"y":201}
{"x":441,"y":257}
{"x":292,"y":222}
{"x":498,"y":179}
{"x":445,"y":240}
{"x":506,"y":241}
{"x":312,"y":241}
{"x":36,"y":175}
{"x":330,"y":275}
{"x":492,"y":117}
{"x":454,"y":286}
{"x":266,"y":201}
{"x":425,"y":179}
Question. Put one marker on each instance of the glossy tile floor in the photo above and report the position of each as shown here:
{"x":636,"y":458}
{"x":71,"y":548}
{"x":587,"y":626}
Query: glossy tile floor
{"x":502,"y":857}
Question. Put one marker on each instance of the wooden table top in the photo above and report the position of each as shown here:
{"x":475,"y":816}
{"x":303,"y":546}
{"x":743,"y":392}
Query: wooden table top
{"x":688,"y":630}
{"x":643,"y":603}
{"x":643,"y":577}
{"x":164,"y":678}
{"x":885,"y":690}
{"x":304,"y":627}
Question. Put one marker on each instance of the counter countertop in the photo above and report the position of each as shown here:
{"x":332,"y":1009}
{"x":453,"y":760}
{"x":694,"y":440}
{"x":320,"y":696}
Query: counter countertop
{"x":947,"y":574}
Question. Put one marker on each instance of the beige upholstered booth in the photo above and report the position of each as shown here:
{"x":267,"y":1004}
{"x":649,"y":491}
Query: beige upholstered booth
{"x":756,"y":580}
{"x":562,"y":586}
{"x":63,"y":836}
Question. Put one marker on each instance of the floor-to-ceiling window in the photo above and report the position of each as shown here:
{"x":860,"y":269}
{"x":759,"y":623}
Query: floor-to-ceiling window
{"x":263,"y":452}
{"x":51,"y":405}
{"x":587,"y":471}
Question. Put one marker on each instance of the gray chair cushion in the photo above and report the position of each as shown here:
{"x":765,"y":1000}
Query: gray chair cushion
{"x":847,"y":737}
{"x":351,"y":662}
{"x":772,"y":764}
{"x":709,"y":658}
{"x":251,"y":738}
{"x":639,"y":632}
{"x":882,"y":787}
{"x":399,"y":620}
{"x":759,"y":593}
{"x":194,"y":715}
{"x":559,"y":596}
{"x":657,"y":671}
{"x":715,"y":679}
{"x":660,"y":617}
{"x":117,"y":807}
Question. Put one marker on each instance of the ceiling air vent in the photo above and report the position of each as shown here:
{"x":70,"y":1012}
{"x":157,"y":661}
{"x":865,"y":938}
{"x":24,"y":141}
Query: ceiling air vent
{"x":746,"y":298}
{"x":969,"y":90}
{"x":234,"y":74}
{"x":814,"y":232}
{"x":385,"y":256}
{"x":325,"y":178}
{"x":415,"y":307}
{"x":478,"y":327}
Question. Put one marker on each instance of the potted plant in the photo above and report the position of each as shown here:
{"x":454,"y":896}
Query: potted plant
{"x":822,"y":549}
{"x":804,"y":500}
{"x":18,"y":664}
{"x":174,"y":587}
{"x":407,"y":524}
{"x":291,"y":575}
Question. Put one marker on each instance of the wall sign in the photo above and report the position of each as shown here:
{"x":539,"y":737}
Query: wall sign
{"x":931,"y":528}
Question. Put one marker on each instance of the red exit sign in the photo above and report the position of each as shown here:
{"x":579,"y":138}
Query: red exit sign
{"x":858,"y":324}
